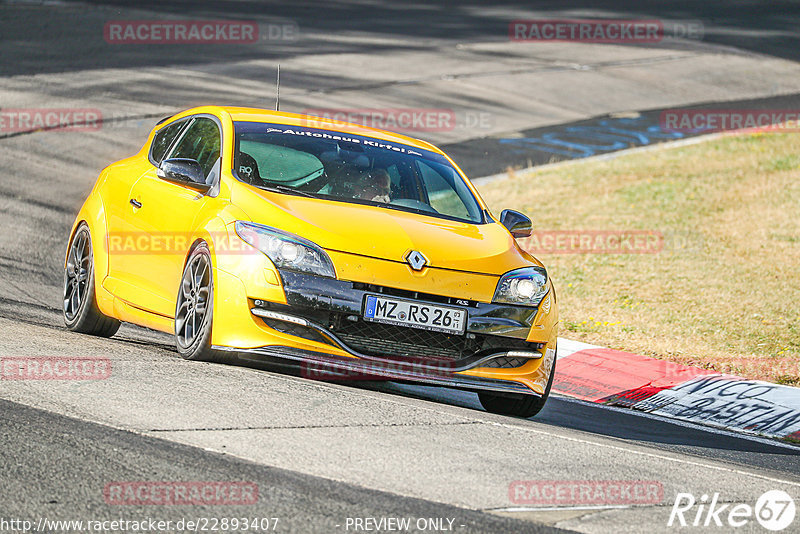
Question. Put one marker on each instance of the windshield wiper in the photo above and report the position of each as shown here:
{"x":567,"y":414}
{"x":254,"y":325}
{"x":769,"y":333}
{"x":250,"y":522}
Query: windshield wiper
{"x":278,"y":188}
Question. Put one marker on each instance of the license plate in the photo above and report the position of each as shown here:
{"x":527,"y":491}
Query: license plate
{"x":415,"y":314}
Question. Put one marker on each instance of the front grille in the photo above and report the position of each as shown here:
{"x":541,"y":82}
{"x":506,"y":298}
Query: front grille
{"x":504,"y":362}
{"x":388,"y":340}
{"x":382,"y":347}
{"x":376,"y":339}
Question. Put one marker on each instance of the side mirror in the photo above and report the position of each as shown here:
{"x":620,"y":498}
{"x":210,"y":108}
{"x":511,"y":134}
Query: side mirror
{"x":518,"y":224}
{"x":184,"y":172}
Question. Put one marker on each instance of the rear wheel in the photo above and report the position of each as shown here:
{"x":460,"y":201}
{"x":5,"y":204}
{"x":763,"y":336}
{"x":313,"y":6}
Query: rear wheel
{"x":193,"y":311}
{"x":517,"y":405}
{"x":81,"y":313}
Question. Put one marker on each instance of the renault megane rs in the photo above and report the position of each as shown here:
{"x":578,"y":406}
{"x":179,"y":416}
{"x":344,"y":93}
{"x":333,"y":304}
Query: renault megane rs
{"x":249,"y":233}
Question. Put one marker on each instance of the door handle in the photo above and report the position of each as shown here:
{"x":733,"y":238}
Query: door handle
{"x":135,"y":203}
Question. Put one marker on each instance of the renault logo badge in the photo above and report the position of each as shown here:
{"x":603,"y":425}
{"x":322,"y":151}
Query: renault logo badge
{"x":416,"y":260}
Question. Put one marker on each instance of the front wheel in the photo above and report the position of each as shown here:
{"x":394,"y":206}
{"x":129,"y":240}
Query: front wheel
{"x":514,"y":404}
{"x":81,"y":313}
{"x":193,"y":311}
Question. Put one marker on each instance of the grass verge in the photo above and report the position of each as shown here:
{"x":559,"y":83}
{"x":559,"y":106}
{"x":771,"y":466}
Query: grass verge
{"x":722,"y":293}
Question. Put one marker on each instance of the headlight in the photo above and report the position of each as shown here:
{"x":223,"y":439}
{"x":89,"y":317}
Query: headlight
{"x":287,"y":251}
{"x":526,"y":286}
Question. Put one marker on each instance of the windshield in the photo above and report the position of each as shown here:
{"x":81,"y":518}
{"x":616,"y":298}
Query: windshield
{"x":351,"y":168}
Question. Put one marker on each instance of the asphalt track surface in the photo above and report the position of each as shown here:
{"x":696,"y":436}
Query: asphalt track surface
{"x":322,"y":453}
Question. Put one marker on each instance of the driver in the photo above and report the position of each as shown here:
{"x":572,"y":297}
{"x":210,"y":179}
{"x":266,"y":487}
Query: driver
{"x":376,"y":186}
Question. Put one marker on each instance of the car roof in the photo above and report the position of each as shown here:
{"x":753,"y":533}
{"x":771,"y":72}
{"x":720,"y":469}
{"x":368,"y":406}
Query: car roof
{"x":245,"y":114}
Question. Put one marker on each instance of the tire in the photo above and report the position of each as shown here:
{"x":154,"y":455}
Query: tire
{"x":81,"y":313}
{"x":194,"y":309}
{"x":517,"y":405}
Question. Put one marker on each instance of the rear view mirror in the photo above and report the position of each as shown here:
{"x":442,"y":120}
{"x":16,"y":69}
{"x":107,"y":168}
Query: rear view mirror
{"x":517,"y":223}
{"x":183,"y":171}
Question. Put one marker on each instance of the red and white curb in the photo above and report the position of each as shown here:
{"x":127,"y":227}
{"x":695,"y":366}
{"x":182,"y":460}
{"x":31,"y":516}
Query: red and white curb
{"x":618,"y":378}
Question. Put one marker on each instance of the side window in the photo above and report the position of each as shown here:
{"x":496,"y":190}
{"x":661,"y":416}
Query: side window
{"x":441,"y":193}
{"x":200,"y":142}
{"x":163,"y":139}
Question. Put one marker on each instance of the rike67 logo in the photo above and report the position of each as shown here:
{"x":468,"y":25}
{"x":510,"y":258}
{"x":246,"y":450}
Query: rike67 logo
{"x":774,"y":510}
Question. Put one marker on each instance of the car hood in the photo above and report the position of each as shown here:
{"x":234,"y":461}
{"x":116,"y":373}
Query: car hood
{"x":385,"y":233}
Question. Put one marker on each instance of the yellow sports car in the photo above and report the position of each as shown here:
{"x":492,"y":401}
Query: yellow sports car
{"x":346,"y":251}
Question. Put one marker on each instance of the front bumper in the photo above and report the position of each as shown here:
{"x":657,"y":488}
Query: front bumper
{"x":325,"y":366}
{"x":317,"y":322}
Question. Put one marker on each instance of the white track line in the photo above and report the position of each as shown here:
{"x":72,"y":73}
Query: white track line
{"x":559,"y":508}
{"x":649,"y":454}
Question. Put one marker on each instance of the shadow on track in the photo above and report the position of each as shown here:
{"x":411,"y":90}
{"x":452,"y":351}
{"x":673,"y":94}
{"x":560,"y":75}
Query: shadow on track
{"x":69,"y":36}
